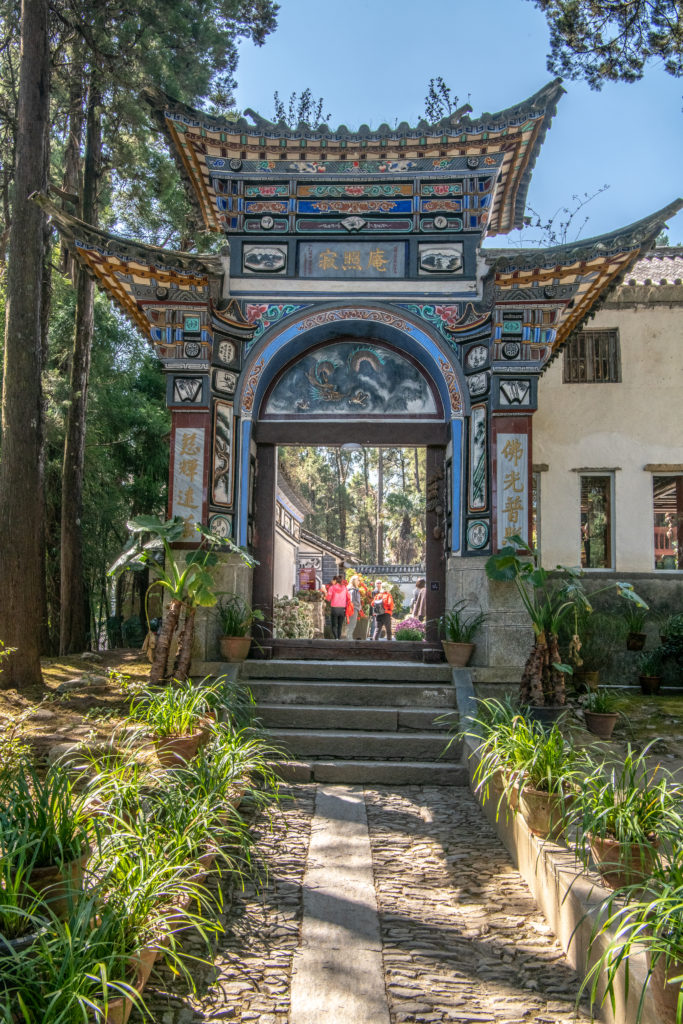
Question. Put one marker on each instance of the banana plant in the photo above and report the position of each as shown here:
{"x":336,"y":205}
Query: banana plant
{"x":188,"y":582}
{"x":547,"y":601}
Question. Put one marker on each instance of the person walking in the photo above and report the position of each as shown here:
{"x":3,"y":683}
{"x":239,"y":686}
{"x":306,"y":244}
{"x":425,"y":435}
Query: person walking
{"x":419,"y":602}
{"x":354,"y":598}
{"x":383,"y":618}
{"x":338,"y":594}
{"x":376,"y":599}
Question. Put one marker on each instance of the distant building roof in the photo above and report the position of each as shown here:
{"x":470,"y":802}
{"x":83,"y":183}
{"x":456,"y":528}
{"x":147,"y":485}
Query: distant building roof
{"x":327,"y":545}
{"x":661,"y":266}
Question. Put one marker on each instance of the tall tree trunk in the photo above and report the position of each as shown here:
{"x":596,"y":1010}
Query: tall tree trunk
{"x":71,"y":181}
{"x":45,"y":305}
{"x":380,"y":502}
{"x":417,"y":472}
{"x":21,"y":506}
{"x":73,"y":622}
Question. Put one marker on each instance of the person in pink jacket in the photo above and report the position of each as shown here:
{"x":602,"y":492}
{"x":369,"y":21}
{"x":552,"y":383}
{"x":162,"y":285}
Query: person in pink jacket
{"x":338,"y":595}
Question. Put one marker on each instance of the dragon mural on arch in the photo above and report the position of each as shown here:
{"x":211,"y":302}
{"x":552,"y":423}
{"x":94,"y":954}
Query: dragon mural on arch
{"x":348,"y":379}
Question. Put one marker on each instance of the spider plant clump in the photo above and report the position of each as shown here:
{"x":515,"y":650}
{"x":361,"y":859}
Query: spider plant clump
{"x":172,"y":711}
{"x":44,"y":817}
{"x":629,"y":802}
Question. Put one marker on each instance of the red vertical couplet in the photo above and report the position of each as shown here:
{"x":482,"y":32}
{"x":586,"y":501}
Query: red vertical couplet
{"x":511,"y":438}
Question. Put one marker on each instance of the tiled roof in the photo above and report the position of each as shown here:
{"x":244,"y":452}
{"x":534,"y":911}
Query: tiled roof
{"x":661,"y":266}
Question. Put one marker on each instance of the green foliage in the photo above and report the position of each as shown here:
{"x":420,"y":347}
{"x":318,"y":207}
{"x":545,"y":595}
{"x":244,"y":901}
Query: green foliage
{"x":627,"y":801}
{"x":43,"y":817}
{"x":610,"y":41}
{"x":459,"y":628}
{"x":601,"y":701}
{"x":650,"y":662}
{"x":236,"y":616}
{"x":292,"y":618}
{"x":171,"y":711}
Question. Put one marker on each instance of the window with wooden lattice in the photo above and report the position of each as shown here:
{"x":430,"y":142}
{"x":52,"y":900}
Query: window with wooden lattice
{"x":592,"y":357}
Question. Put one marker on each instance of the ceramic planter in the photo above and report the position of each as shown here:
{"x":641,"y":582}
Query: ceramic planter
{"x":58,"y":884}
{"x":543,"y":812}
{"x":635,"y":641}
{"x":622,"y":864}
{"x":173,"y":751}
{"x":601,"y":723}
{"x":650,"y":684}
{"x":457,"y":655}
{"x":545,"y":714}
{"x":234,"y":648}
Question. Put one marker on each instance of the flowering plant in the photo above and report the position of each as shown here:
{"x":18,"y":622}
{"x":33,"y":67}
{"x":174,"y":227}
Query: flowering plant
{"x":365,"y":592}
{"x":409,"y":629}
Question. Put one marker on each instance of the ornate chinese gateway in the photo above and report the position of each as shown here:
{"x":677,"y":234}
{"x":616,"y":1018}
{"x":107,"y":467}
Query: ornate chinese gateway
{"x":353,"y":301}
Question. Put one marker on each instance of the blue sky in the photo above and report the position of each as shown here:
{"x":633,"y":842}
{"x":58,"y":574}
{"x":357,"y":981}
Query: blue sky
{"x":371,"y":60}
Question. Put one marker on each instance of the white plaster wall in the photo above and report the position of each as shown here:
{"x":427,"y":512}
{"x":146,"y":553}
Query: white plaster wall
{"x":284,"y":566}
{"x":626,"y":425}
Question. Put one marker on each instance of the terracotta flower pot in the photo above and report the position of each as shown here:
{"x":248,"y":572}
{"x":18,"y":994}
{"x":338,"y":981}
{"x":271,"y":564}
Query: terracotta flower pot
{"x":650,"y":684}
{"x":234,"y":648}
{"x":58,"y":884}
{"x":543,"y":812}
{"x":173,"y":751}
{"x":635,"y":641}
{"x":622,"y":864}
{"x":457,"y":655}
{"x":119,"y":1010}
{"x":665,"y":993}
{"x":601,"y":723}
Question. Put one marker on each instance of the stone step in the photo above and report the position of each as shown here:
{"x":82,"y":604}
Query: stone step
{"x":340,"y":716}
{"x":320,"y":744}
{"x":297,"y":691}
{"x":378,"y":773}
{"x":353,"y":671}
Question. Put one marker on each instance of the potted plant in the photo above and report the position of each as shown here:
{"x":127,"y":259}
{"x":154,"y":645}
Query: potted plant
{"x":635,"y":621}
{"x":236,"y":618}
{"x":623,"y":812}
{"x":45,"y":831}
{"x":647,"y":918}
{"x":599,"y":713}
{"x":458,"y":632}
{"x":545,"y":766}
{"x":548,"y":601}
{"x":649,"y":666}
{"x":671,"y":626}
{"x":176,"y":719}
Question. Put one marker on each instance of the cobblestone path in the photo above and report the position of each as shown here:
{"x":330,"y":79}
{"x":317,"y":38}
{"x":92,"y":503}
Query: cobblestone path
{"x":253,"y":964}
{"x":463,"y":941}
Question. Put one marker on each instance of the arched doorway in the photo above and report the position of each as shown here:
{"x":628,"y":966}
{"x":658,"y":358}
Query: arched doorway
{"x":352,"y":374}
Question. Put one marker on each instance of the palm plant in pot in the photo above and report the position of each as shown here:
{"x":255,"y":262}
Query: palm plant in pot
{"x":186,"y":579}
{"x":236,"y":618}
{"x":623,"y":813}
{"x":458,"y":630}
{"x":548,"y":601}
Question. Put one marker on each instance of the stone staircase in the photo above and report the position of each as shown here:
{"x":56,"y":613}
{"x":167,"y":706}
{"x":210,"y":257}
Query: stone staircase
{"x":358,"y":722}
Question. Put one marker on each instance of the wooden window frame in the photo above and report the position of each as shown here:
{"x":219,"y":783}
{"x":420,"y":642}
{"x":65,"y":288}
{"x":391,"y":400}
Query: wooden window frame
{"x":593,"y":357}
